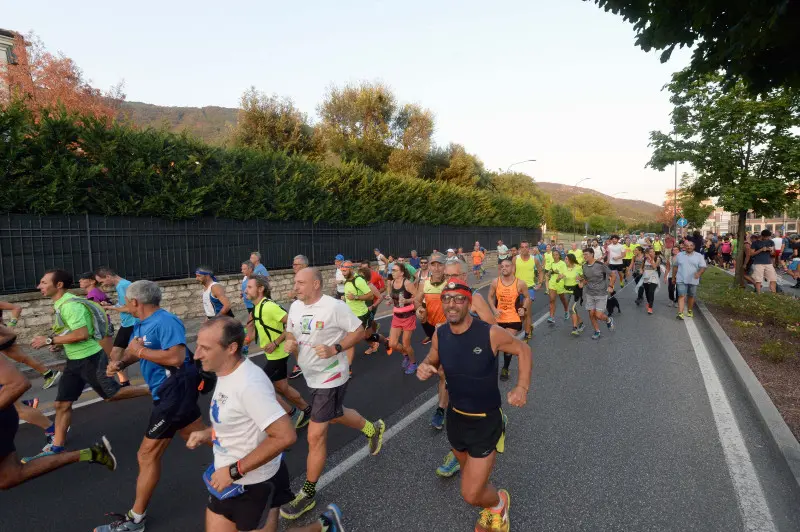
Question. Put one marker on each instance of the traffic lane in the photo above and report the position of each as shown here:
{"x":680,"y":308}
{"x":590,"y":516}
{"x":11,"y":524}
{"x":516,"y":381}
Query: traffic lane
{"x":617,"y":435}
{"x":379,"y":387}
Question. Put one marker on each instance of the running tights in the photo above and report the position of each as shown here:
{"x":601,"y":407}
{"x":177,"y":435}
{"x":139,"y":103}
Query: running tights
{"x":650,"y":290}
{"x":429,"y":329}
{"x":671,"y":288}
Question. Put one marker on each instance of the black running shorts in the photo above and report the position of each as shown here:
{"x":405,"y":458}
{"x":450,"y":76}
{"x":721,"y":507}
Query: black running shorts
{"x":476,"y":435}
{"x":617,"y":267}
{"x":626,"y":262}
{"x":249,"y":511}
{"x":176,"y":407}
{"x":515,"y":325}
{"x":327,"y":403}
{"x":90,"y":370}
{"x":277,"y":370}
{"x":366,"y":319}
{"x":9,"y":423}
{"x":123,"y":337}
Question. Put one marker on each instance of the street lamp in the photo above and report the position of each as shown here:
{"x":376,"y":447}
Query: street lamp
{"x":520,"y":162}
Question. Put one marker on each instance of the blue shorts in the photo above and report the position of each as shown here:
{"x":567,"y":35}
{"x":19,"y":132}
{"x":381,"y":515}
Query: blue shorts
{"x":476,"y":267}
{"x":794,"y":265}
{"x":532,"y":293}
{"x":687,"y":289}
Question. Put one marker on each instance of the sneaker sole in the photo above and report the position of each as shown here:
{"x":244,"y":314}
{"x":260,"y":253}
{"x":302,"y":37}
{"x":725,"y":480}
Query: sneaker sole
{"x":292,"y":517}
{"x":337,"y":516}
{"x":110,"y":454}
{"x":445,"y":475}
{"x":54,"y":381}
{"x":380,"y":438}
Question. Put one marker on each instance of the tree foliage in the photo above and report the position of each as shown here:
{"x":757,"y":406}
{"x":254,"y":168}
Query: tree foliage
{"x":586,"y":205}
{"x":690,"y":206}
{"x":272,"y":123}
{"x":560,"y":218}
{"x":757,"y":41}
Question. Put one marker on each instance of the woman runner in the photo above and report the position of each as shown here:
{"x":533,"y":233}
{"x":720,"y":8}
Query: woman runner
{"x":673,"y":297}
{"x":400,"y":292}
{"x":650,"y":274}
{"x":574,"y":291}
{"x":555,"y":286}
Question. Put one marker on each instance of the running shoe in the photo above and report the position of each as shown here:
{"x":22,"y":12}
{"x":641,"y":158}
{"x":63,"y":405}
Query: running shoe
{"x":679,"y":316}
{"x":411,"y":369}
{"x":575,"y":331}
{"x":389,"y":350}
{"x":427,"y":340}
{"x":551,"y":320}
{"x":297,"y":507}
{"x":499,"y":520}
{"x":296,"y":372}
{"x":331,"y":519}
{"x":689,"y":314}
{"x":450,"y":466}
{"x":596,"y":335}
{"x":376,"y":441}
{"x":47,"y":450}
{"x":638,"y":301}
{"x":566,"y":315}
{"x":504,"y":374}
{"x":298,"y":417}
{"x":581,"y":327}
{"x":123,"y":523}
{"x":529,"y":336}
{"x":621,"y":284}
{"x":51,"y":381}
{"x":33,"y":403}
{"x":650,"y":310}
{"x":101,"y":454}
{"x":610,"y":323}
{"x":404,"y":364}
{"x":437,"y":421}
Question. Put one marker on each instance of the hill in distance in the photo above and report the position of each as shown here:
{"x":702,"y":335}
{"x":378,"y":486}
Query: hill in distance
{"x":210,"y":124}
{"x":625,"y":208}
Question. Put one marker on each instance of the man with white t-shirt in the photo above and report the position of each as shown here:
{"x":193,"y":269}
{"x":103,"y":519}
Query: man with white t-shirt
{"x":249,"y":480}
{"x":616,"y":254}
{"x":340,"y":278}
{"x":320,"y":330}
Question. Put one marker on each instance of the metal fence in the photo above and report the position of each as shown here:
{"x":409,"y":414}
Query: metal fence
{"x":152,"y":248}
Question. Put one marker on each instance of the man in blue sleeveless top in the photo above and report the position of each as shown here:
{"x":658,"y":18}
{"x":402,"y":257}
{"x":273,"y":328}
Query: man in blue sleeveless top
{"x":467,"y":348}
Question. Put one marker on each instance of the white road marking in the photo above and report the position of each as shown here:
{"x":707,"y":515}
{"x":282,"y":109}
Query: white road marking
{"x":753,"y":506}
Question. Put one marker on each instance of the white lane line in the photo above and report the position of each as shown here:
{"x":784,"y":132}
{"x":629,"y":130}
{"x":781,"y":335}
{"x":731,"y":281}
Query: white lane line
{"x":348,"y":463}
{"x":753,"y":506}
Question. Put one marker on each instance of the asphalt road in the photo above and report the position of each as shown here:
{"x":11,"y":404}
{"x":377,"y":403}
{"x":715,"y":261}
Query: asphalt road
{"x":618,"y":434}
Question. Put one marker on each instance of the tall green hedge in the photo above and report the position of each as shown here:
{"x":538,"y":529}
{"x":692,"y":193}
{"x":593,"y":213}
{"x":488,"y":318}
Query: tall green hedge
{"x":67,"y":164}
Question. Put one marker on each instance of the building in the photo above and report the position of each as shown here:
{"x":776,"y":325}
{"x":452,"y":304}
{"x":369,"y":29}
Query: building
{"x":6,"y":57}
{"x":718,"y":222}
{"x":775,"y":223}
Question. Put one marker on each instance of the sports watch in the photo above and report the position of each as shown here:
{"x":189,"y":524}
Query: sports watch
{"x":338,"y":348}
{"x":234,"y":471}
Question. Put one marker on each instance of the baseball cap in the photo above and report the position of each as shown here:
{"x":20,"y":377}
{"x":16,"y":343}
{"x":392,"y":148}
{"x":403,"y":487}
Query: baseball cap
{"x":339,"y":257}
{"x":437,"y":257}
{"x":451,"y":250}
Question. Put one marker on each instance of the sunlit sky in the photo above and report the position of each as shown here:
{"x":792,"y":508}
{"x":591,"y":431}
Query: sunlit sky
{"x":559,"y":81}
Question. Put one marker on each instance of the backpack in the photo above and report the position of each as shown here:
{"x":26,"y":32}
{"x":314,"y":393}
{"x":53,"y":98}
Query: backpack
{"x":100,"y":323}
{"x":726,"y":247}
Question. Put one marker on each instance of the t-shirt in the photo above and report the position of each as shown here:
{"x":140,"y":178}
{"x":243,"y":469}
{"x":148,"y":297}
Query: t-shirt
{"x":571,"y":275}
{"x":377,"y":280}
{"x":542,"y":247}
{"x":477,"y":257}
{"x":339,"y":281}
{"x":160,"y":331}
{"x":325,"y":322}
{"x":268,"y":318}
{"x":598,"y":252}
{"x":412,"y":271}
{"x":629,"y":251}
{"x":596,"y":276}
{"x":74,"y":316}
{"x":242,"y":407}
{"x":778,"y":241}
{"x":261,"y":270}
{"x":247,"y":303}
{"x":96,"y":295}
{"x":126,"y":319}
{"x":688,"y":265}
{"x":556,"y":268}
{"x":358,"y":287}
{"x":658,"y":245}
{"x":502,"y":252}
{"x":548,"y":260}
{"x":616,"y":252}
{"x":763,"y":257}
{"x":414,"y":261}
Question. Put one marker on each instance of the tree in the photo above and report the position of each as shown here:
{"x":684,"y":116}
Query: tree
{"x":46,"y":81}
{"x":412,"y":131}
{"x":744,"y":149}
{"x":560,"y":218}
{"x":756,"y":41}
{"x":272,"y":123}
{"x":464,"y":169}
{"x":690,"y":207}
{"x":586,"y":205}
{"x":519,"y":184}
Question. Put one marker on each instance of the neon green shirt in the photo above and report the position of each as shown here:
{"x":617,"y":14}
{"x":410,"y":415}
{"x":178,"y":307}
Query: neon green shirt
{"x":74,"y":317}
{"x":629,"y":251}
{"x":571,"y":275}
{"x":268,"y":319}
{"x":557,"y":268}
{"x":548,"y":260}
{"x":358,"y":287}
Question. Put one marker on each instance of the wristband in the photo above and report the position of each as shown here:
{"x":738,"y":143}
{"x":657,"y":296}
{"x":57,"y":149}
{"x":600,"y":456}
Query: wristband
{"x":12,"y":322}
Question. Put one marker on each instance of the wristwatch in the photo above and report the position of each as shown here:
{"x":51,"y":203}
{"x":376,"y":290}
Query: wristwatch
{"x":234,"y":471}
{"x":338,"y":348}
{"x":49,"y":341}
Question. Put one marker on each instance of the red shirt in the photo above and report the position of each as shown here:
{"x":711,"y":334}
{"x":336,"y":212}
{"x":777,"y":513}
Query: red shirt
{"x":377,"y":280}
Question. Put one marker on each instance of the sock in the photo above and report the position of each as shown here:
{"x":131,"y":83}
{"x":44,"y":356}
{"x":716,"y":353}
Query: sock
{"x":497,"y":509}
{"x":47,"y":374}
{"x":136,"y":518}
{"x":506,"y":361}
{"x":57,"y":448}
{"x":85,"y":455}
{"x":51,"y":429}
{"x":368,"y":430}
{"x":307,"y":412}
{"x":309,"y":488}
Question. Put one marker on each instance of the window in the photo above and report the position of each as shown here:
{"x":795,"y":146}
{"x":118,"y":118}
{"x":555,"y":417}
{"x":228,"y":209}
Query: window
{"x":769,"y":227}
{"x":757,"y":228}
{"x":791,"y":227}
{"x":748,"y":228}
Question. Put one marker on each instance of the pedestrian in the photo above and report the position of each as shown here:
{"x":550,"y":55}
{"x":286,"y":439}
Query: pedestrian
{"x":651,"y":270}
{"x":762,"y":257}
{"x":258,"y":268}
{"x":596,"y":287}
{"x":687,"y":268}
{"x":668,"y":278}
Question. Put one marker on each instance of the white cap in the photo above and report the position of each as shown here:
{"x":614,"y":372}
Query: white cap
{"x":451,"y":250}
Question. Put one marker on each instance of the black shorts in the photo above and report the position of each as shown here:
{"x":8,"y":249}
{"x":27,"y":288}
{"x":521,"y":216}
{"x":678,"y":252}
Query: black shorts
{"x":327,"y":403}
{"x":477,"y":436}
{"x":90,"y":370}
{"x":516,"y":325}
{"x":176,"y":407}
{"x":249,"y":511}
{"x":726,"y":257}
{"x":9,"y":423}
{"x":366,"y":319}
{"x":8,"y":343}
{"x":617,"y":267}
{"x":123,"y":337}
{"x":277,"y":370}
{"x":626,"y":262}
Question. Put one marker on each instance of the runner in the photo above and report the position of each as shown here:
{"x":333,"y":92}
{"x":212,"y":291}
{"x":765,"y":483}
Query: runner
{"x":159,"y":345}
{"x":375,"y":280}
{"x":525,"y":267}
{"x":424,"y":272}
{"x":576,"y":253}
{"x":628,"y":258}
{"x":573,"y":290}
{"x":638,"y":268}
{"x":382,"y":263}
{"x":338,"y":289}
{"x":547,"y":258}
{"x":13,"y":472}
{"x":616,"y":253}
{"x":76,"y":328}
{"x":16,"y":354}
{"x":451,"y":254}
{"x":319,"y":330}
{"x":400,"y":292}
{"x":687,"y":268}
{"x":357,"y":292}
{"x":247,"y":272}
{"x":428,"y":302}
{"x":555,"y":286}
{"x":595,"y":279}
{"x":108,"y":278}
{"x":651,"y":270}
{"x":258,"y":268}
{"x":269,"y":319}
{"x":658,"y":247}
{"x":669,"y":279}
{"x":475,"y":421}
{"x":510,"y":302}
{"x":215,"y":300}
{"x":502,"y":251}
{"x":598,"y":251}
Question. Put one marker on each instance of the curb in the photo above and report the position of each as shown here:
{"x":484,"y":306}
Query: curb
{"x":777,"y":429}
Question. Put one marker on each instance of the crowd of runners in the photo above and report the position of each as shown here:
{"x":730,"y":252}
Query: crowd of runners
{"x":255,"y":413}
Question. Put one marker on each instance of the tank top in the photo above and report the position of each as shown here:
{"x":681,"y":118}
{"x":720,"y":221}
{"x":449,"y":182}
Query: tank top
{"x":507,"y":298}
{"x":211,"y":304}
{"x":433,"y":301}
{"x":471,"y":368}
{"x":526,"y":270}
{"x":403,"y":303}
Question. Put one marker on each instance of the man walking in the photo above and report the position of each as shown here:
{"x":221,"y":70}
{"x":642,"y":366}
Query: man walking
{"x":687,"y":268}
{"x":598,"y":279}
{"x":762,"y":252}
{"x":258,"y":268}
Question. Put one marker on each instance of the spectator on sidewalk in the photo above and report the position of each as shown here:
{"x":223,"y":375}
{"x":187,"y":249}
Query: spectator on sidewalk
{"x":762,"y":255}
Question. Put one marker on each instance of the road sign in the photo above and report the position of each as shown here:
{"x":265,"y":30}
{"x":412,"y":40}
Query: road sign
{"x":683,"y":222}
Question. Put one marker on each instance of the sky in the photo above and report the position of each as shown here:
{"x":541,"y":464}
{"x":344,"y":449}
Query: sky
{"x":559,"y":81}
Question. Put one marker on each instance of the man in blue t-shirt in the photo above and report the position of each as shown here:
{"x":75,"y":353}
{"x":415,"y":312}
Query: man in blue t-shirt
{"x":108,"y":278}
{"x":159,"y":345}
{"x":687,"y":268}
{"x":258,"y":268}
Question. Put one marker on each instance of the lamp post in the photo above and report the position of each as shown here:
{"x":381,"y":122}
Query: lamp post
{"x":520,"y":162}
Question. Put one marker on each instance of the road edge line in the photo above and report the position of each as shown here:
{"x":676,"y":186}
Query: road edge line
{"x":771,"y":419}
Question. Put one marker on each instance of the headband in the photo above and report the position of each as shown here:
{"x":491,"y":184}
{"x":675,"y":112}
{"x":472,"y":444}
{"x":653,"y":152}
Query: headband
{"x":454,"y":284}
{"x":203,"y":272}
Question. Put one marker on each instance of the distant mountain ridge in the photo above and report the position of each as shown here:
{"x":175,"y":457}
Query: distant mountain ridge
{"x":210,"y":123}
{"x":625,"y":208}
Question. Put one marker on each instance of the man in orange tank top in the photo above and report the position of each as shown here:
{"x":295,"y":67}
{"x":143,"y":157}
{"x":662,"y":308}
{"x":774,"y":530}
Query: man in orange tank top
{"x":510,"y":302}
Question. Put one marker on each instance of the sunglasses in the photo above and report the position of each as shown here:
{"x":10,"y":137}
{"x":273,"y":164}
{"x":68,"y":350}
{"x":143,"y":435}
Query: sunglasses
{"x":458,"y":298}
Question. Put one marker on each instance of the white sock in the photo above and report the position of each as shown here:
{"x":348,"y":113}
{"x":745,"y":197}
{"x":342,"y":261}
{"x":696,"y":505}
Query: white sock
{"x":137,"y":518}
{"x":499,"y":505}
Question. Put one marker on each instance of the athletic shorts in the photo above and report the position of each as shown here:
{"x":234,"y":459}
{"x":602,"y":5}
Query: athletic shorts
{"x":626,"y":262}
{"x":277,"y":370}
{"x":478,"y":436}
{"x":249,"y":511}
{"x":176,"y":406}
{"x":726,"y":257}
{"x":409,"y":323}
{"x":366,"y":319}
{"x":687,"y":289}
{"x":515,"y":325}
{"x":90,"y":370}
{"x":9,"y":423}
{"x":617,"y":267}
{"x":597,"y":303}
{"x":794,"y":265}
{"x":123,"y":337}
{"x":327,"y":403}
{"x":764,"y":271}
{"x":476,"y":267}
{"x":558,"y":289}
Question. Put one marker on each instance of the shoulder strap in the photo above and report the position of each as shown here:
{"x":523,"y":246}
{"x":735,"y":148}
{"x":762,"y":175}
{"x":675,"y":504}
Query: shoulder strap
{"x":266,"y":327}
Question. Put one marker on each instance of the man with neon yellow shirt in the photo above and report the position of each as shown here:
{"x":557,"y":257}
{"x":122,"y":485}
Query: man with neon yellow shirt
{"x":628,"y":258}
{"x":658,"y":247}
